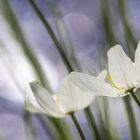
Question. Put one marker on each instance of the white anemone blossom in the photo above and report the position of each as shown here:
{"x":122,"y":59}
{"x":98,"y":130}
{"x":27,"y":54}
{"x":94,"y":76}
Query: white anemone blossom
{"x":70,"y":98}
{"x":123,"y":76}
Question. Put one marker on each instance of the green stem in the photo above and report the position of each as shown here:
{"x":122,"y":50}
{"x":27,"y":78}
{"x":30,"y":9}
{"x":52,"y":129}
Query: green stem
{"x":136,"y":98}
{"x":131,"y":118}
{"x":107,"y":22}
{"x":52,"y":34}
{"x":123,"y":10}
{"x":11,"y":19}
{"x":53,"y":37}
{"x":90,"y":117}
{"x":19,"y":35}
{"x":78,"y":127}
{"x":30,"y":133}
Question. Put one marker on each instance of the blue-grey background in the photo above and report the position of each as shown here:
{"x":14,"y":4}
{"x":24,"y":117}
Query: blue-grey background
{"x":84,"y":22}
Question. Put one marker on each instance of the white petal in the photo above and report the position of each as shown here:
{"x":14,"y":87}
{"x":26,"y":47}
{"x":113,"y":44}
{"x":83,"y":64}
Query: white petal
{"x":92,"y":85}
{"x":72,"y":98}
{"x":121,"y":68}
{"x":46,"y":101}
{"x":31,"y":103}
{"x":102,"y":75}
{"x":30,"y":106}
{"x":137,"y":61}
{"x":34,"y":108}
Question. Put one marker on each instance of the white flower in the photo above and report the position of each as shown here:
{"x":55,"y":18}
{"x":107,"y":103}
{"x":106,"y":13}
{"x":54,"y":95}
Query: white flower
{"x":123,"y":77}
{"x":124,"y":73}
{"x":70,"y":98}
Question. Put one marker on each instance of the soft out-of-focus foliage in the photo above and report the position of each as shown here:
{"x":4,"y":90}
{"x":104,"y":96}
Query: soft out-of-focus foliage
{"x":44,"y":41}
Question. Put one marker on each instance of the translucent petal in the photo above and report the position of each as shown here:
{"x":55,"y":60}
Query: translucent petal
{"x":32,"y":107}
{"x":137,"y":62}
{"x":46,"y":101}
{"x":102,"y":75}
{"x":121,"y":68}
{"x":72,"y":97}
{"x":92,"y":85}
{"x":31,"y":103}
{"x":36,"y":109}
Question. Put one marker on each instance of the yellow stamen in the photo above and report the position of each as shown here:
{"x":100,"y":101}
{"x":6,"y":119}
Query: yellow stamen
{"x":111,"y":82}
{"x":58,"y":102}
{"x":56,"y":98}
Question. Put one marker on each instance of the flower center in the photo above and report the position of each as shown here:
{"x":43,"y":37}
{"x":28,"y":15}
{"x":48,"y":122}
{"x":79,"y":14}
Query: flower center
{"x":58,"y":102}
{"x":112,"y":83}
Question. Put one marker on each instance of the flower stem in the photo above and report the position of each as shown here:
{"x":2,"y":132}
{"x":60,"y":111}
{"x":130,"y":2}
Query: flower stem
{"x":135,"y":97}
{"x":78,"y":127}
{"x":131,"y":118}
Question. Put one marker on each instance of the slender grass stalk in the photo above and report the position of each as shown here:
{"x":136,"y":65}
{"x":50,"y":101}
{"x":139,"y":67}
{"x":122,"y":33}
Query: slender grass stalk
{"x":101,"y":118}
{"x":122,"y":6}
{"x":78,"y":127}
{"x":29,"y":129}
{"x":51,"y":33}
{"x":7,"y":61}
{"x":135,"y":97}
{"x":53,"y":36}
{"x":106,"y":120}
{"x":62,"y":29}
{"x":92,"y":122}
{"x":59,"y":128}
{"x":30,"y":133}
{"x":63,"y":129}
{"x":46,"y":126}
{"x":103,"y":104}
{"x":107,"y":22}
{"x":15,"y":27}
{"x":131,"y":41}
{"x":130,"y":37}
{"x":18,"y":33}
{"x":110,"y":132}
{"x":131,"y":118}
{"x":66,"y":40}
{"x":64,"y":35}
